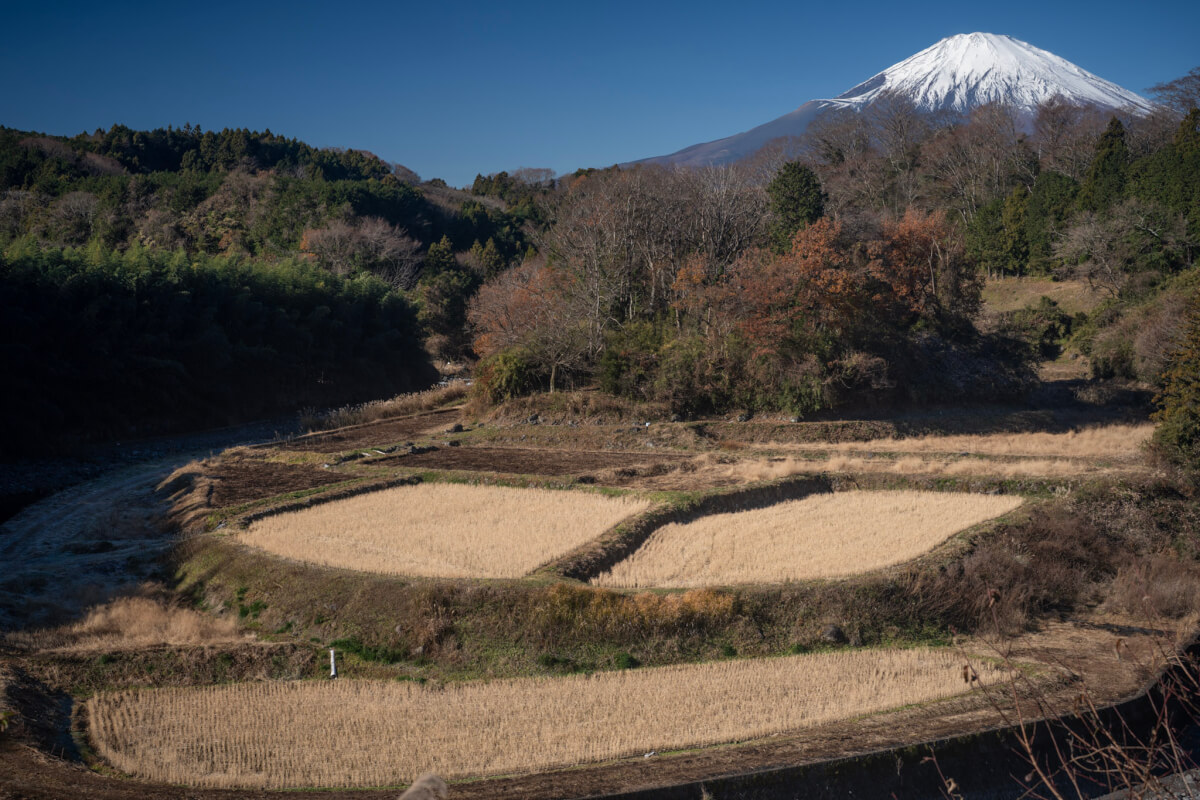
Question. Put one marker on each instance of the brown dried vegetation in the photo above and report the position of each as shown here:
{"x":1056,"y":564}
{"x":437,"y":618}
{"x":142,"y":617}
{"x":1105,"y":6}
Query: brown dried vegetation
{"x":375,"y":733}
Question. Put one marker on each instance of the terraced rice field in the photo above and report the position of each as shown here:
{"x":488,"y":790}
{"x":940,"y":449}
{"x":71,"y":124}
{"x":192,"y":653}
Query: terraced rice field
{"x":1103,"y":442}
{"x":820,"y":536}
{"x":443,"y":530}
{"x":379,"y":733}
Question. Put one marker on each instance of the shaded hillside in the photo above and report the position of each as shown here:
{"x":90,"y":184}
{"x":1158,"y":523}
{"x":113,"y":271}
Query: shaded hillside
{"x":105,"y":345}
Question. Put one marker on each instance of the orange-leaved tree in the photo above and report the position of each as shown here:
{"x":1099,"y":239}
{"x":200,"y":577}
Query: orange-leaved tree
{"x":532,"y":307}
{"x":920,"y":258}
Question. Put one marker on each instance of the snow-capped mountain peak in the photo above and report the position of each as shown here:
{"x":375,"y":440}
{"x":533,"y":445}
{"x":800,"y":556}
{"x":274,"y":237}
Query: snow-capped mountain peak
{"x":957,"y":74}
{"x":972,"y":69}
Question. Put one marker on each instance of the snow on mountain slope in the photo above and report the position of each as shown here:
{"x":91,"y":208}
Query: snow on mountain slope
{"x":957,"y":74}
{"x":973,"y":69}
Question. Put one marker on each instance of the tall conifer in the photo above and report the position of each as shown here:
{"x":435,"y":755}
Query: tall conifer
{"x":797,"y":201}
{"x":1105,"y":182}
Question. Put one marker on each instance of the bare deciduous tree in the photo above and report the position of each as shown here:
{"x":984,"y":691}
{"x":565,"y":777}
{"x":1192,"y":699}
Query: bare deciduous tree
{"x":898,"y":129}
{"x":1146,"y":134}
{"x":535,"y":176}
{"x":404,"y":174}
{"x":17,"y":209}
{"x":1106,"y":247}
{"x":761,"y":167}
{"x":161,"y":228}
{"x":373,"y":245}
{"x":1064,"y":136}
{"x":975,"y":163}
{"x":840,"y":152}
{"x":73,"y":215}
{"x":625,"y":234}
{"x":332,"y":245}
{"x":537,"y":307}
{"x":1181,"y":94}
{"x":388,"y":251}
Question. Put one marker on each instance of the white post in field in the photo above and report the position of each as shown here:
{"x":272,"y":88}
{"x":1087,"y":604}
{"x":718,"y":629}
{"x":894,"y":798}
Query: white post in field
{"x":332,"y":664}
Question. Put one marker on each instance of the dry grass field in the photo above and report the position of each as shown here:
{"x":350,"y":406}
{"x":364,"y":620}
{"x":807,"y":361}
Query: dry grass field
{"x":1097,"y":451}
{"x":130,"y":623}
{"x":1010,"y":294}
{"x":373,"y":733}
{"x":820,"y":536}
{"x":401,"y":405}
{"x":759,"y":470}
{"x":1101,"y":442}
{"x":443,"y":530}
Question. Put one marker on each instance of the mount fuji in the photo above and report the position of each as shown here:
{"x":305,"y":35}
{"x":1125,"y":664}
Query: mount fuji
{"x":957,"y":74}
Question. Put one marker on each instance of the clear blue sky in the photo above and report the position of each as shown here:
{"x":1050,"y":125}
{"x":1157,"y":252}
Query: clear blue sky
{"x":455,"y":88}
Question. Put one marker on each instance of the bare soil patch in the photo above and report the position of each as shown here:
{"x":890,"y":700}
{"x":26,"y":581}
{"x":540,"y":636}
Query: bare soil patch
{"x":388,"y":431}
{"x":521,"y":461}
{"x":241,"y":480}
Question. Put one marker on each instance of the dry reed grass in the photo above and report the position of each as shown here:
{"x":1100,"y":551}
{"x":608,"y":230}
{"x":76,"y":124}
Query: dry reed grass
{"x":131,"y":623}
{"x":1104,"y":441}
{"x":913,"y":465}
{"x":443,"y":530}
{"x":1011,"y":294}
{"x":369,"y":733}
{"x":399,"y":406}
{"x":820,"y":536}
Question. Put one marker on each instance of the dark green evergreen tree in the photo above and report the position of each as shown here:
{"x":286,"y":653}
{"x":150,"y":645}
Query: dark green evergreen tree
{"x":439,"y":259}
{"x":1105,"y":183}
{"x":1013,"y":217}
{"x":490,"y":259}
{"x":1050,"y":204}
{"x":1178,"y":433}
{"x":984,"y":238}
{"x":1171,"y":177}
{"x":796,"y":201}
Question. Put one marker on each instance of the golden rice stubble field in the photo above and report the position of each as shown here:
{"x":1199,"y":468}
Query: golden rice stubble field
{"x":443,"y":530}
{"x":820,"y":536}
{"x":374,"y":733}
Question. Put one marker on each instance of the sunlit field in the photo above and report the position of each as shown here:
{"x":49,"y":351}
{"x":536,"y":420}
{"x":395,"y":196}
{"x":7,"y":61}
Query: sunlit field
{"x":443,"y":530}
{"x":769,"y":469}
{"x":820,"y":536}
{"x":133,"y":622}
{"x":374,"y":733}
{"x":1105,"y":441}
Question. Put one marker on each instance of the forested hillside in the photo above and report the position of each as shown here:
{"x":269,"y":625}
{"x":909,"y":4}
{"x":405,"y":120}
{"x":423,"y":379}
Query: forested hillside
{"x":175,"y":277}
{"x":844,"y":269}
{"x":170,"y":279}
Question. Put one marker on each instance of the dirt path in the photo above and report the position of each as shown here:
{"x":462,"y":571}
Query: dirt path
{"x":24,"y":481}
{"x":524,"y":461}
{"x":101,"y":537}
{"x":374,"y":434}
{"x":83,"y":545}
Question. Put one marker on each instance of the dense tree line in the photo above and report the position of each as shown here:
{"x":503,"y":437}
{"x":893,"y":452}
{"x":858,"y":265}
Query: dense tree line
{"x":641,"y":295}
{"x":96,"y":343}
{"x":845,"y":267}
{"x":236,"y":191}
{"x":357,"y":254}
